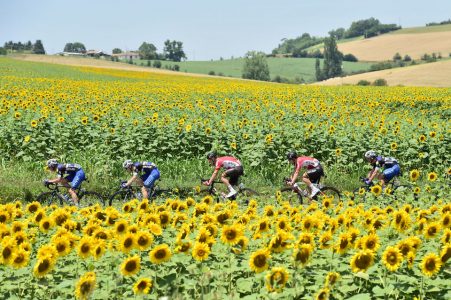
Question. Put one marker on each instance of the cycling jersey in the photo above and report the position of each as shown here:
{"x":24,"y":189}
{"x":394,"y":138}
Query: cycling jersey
{"x":306,"y":162}
{"x":69,"y":169}
{"x":384,"y":162}
{"x":143,"y":167}
{"x":227,"y":162}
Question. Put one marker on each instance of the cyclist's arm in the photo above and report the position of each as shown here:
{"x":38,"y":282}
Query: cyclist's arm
{"x":131,"y":180}
{"x":212,"y":178}
{"x":56,"y":180}
{"x":373,"y":173}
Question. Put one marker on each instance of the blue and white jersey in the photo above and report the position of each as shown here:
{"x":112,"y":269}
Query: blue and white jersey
{"x":384,"y":162}
{"x":144,"y":167}
{"x":69,"y":169}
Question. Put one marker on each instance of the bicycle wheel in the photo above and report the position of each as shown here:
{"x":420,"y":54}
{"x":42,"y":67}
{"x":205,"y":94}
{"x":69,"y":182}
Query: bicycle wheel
{"x":121,"y":196}
{"x":49,"y":198}
{"x":331,"y":193}
{"x":291,"y":195}
{"x":91,"y":198}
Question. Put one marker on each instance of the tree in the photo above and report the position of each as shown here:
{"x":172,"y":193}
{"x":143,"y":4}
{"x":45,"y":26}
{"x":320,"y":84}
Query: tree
{"x":2,"y":51}
{"x":147,"y":51}
{"x":29,"y":46}
{"x":76,"y":47}
{"x":318,"y":72}
{"x":117,"y":51}
{"x":350,"y":57}
{"x":338,"y":33}
{"x":173,"y":50}
{"x":332,"y":59}
{"x":38,"y":47}
{"x":255,"y":66}
{"x":397,"y":56}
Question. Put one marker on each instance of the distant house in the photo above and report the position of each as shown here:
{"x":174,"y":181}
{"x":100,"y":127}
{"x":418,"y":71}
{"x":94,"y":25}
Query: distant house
{"x":127,"y":55}
{"x":96,"y":53}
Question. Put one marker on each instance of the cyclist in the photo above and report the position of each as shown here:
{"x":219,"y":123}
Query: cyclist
{"x":389,"y":165}
{"x":233,"y":170}
{"x":144,"y":173}
{"x":75,"y":176}
{"x":313,"y":172}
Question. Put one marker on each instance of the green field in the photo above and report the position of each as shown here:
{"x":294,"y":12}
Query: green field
{"x":424,"y":29}
{"x":303,"y":68}
{"x":321,"y":46}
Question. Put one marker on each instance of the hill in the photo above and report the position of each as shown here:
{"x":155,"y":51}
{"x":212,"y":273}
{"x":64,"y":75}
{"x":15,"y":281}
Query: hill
{"x":414,"y":42}
{"x":290,"y":68}
{"x":436,"y":74}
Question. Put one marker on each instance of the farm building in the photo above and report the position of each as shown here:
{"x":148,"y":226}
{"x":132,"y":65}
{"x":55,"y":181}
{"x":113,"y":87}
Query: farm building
{"x":127,"y":55}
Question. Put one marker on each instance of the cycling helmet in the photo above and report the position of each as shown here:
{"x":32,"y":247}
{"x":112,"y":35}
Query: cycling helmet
{"x":127,"y":164}
{"x":292,"y":155}
{"x":52,"y":163}
{"x":211,"y":155}
{"x":370,"y":154}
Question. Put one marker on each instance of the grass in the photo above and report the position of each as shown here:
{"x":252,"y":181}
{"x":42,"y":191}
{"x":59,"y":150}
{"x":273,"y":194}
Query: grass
{"x":321,"y":46}
{"x":289,"y":68}
{"x":424,"y":29}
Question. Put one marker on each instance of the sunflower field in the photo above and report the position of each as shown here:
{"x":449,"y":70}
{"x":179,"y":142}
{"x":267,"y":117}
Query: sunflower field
{"x":383,"y":247}
{"x":188,"y":249}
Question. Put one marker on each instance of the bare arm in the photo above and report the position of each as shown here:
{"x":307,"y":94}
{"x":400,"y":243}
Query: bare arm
{"x":131,"y":180}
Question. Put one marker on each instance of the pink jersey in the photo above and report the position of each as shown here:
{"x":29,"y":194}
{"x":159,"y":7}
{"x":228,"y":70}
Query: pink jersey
{"x":227,"y":162}
{"x":306,"y":162}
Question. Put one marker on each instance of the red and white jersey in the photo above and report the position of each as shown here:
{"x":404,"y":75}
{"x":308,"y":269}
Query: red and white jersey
{"x":306,"y":162}
{"x":227,"y":162}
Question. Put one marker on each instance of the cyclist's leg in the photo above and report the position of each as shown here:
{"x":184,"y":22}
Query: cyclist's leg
{"x":229,"y":178}
{"x":75,"y":183}
{"x":388,"y":174}
{"x":149,"y":181}
{"x":311,"y":176}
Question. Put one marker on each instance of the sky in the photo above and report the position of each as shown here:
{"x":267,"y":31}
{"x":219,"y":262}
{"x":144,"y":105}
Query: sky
{"x":208,"y":29}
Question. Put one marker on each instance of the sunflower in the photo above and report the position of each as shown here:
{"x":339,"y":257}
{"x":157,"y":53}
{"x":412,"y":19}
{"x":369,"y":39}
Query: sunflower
{"x":362,"y":260}
{"x":43,"y":266}
{"x":430,"y":264}
{"x":98,"y":250}
{"x":370,"y":242}
{"x":48,"y":250}
{"x":182,"y":247}
{"x":414,"y":175}
{"x":20,"y":258}
{"x":343,"y":243}
{"x":62,"y":245}
{"x":142,"y":286}
{"x":405,"y":247}
{"x":165,"y":218}
{"x":445,"y":254}
{"x":338,"y":151}
{"x":85,"y":285}
{"x":231,"y":234}
{"x":306,"y":238}
{"x":127,"y":243}
{"x":241,"y":246}
{"x":376,"y":190}
{"x":160,"y":254}
{"x":200,"y":251}
{"x":422,"y":138}
{"x":323,"y":294}
{"x":276,"y":279}
{"x":417,"y":190}
{"x":392,"y":258}
{"x":446,"y":237}
{"x":143,"y":240}
{"x":85,"y":246}
{"x":331,"y":279}
{"x":302,"y":254}
{"x":131,"y":266}
{"x":121,"y":227}
{"x":432,"y":176}
{"x":431,"y":230}
{"x":33,"y":207}
{"x":258,"y":261}
{"x":325,"y":240}
{"x":263,"y":225}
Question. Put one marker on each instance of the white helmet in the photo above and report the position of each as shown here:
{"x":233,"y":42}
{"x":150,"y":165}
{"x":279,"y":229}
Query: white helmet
{"x":370,"y":154}
{"x":52,"y":163}
{"x":127,"y":164}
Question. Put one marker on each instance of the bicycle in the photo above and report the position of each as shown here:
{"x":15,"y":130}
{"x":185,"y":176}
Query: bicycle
{"x":56,"y":196}
{"x":394,"y":187}
{"x":134,"y":192}
{"x":240,"y":188}
{"x":325,"y":191}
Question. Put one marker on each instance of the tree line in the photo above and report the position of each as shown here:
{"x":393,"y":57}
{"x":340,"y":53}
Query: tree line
{"x":36,"y":47}
{"x":172,"y":50}
{"x":366,"y":28}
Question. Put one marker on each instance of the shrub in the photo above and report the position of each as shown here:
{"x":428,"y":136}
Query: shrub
{"x":363,"y":82}
{"x":407,"y":58}
{"x":157,"y":64}
{"x":211,"y":73}
{"x":380,"y":82}
{"x":176,"y":68}
{"x":350,"y":57}
{"x":397,"y":57}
